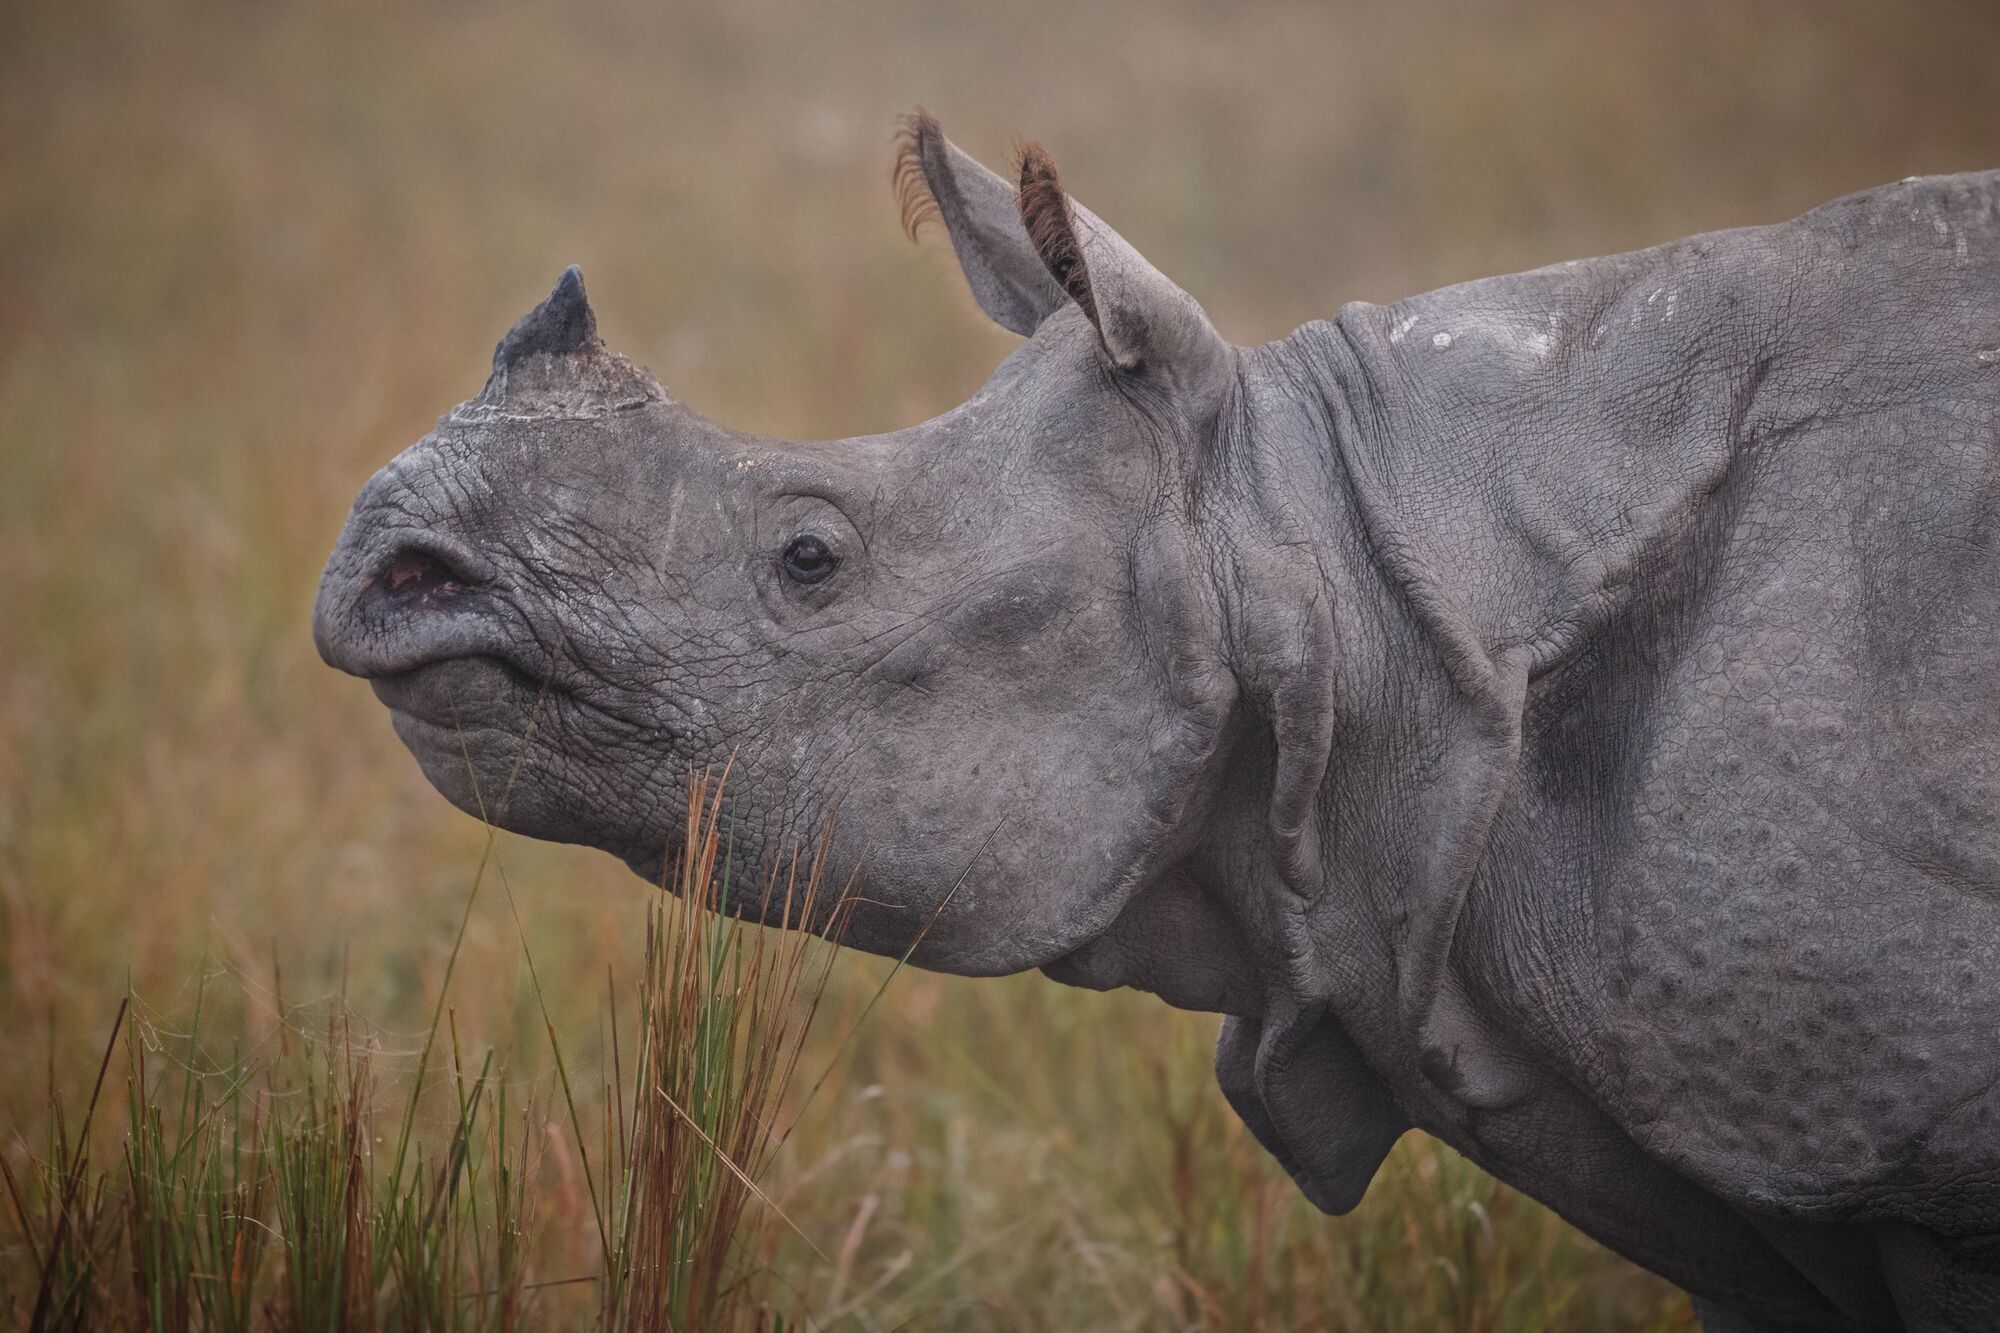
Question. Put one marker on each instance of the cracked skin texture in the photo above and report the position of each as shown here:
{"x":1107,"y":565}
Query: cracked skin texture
{"x":1559,"y":712}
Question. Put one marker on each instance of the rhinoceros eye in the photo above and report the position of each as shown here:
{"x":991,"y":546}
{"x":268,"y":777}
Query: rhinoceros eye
{"x":807,"y":559}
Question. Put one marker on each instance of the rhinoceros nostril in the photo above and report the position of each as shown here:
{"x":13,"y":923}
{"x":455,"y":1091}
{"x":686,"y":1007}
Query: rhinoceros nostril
{"x":421,"y":576}
{"x":416,"y":567}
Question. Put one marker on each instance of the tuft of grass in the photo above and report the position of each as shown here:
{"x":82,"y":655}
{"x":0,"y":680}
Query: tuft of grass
{"x":723,"y":1015}
{"x":193,"y":1205}
{"x":71,"y":1237}
{"x":250,"y":1194}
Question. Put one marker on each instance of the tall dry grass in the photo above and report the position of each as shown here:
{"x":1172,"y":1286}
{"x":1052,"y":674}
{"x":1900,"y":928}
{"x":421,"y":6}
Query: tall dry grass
{"x":264,"y":1194}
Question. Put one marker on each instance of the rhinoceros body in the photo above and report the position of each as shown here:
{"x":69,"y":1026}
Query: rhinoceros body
{"x":1560,"y":712}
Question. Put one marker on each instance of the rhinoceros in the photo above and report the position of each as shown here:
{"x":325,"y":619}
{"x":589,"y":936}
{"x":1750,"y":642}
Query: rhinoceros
{"x":1560,"y":712}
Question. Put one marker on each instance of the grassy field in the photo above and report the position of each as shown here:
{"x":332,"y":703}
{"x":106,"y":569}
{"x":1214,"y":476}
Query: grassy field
{"x":251,"y":251}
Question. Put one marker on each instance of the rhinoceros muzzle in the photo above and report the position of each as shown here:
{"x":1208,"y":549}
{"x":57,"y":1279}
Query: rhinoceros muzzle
{"x":391,"y":602}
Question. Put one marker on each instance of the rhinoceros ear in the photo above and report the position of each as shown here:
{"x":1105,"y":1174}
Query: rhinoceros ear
{"x":1141,"y":317}
{"x":935,"y":180}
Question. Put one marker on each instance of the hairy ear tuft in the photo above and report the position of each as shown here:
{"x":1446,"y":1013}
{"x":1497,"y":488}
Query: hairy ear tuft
{"x":1051,"y":226}
{"x":1027,"y":250}
{"x":933,"y":179}
{"x":914,"y":199}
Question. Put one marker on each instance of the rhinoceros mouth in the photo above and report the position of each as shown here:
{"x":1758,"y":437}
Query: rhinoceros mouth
{"x":476,"y":690}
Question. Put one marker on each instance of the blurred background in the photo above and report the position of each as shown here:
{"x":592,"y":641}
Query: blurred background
{"x":249,"y":251}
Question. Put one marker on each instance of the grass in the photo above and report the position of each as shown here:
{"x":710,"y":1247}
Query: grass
{"x":250,"y":251}
{"x":261,"y":1194}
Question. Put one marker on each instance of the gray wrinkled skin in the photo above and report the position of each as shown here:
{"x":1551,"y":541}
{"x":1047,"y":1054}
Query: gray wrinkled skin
{"x":1558,"y":712}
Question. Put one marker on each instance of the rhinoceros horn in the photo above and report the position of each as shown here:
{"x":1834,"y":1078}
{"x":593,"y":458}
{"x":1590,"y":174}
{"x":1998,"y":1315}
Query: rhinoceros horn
{"x":553,"y":364}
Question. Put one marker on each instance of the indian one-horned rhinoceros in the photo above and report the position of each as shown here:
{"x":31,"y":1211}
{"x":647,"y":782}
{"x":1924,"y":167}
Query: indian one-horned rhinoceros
{"x":1560,"y":712}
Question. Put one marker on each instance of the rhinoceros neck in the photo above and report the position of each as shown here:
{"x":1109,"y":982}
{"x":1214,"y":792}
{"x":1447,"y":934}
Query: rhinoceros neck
{"x":1480,"y":490}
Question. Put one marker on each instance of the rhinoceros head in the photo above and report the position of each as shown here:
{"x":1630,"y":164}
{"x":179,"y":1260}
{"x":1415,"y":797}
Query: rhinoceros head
{"x":576,"y":590}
